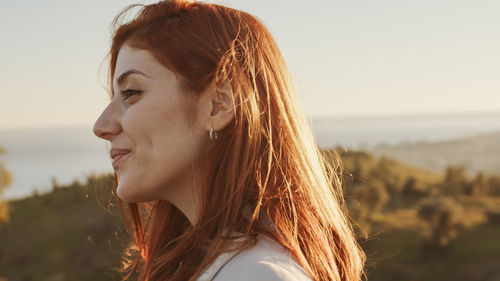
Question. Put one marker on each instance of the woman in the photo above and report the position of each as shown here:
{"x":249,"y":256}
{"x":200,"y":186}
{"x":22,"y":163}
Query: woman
{"x":213,"y":155}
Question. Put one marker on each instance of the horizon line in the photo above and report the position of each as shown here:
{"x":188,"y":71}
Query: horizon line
{"x":312,"y":118}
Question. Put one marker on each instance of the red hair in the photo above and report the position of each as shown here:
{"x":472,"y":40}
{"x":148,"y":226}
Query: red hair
{"x":265,"y":160}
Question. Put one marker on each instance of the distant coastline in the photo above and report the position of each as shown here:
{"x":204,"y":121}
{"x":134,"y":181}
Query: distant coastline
{"x":35,"y":155}
{"x":368,"y":132}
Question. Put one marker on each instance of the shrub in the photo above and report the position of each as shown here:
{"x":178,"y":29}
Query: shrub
{"x":479,"y":185}
{"x":444,"y":218}
{"x":493,"y":216}
{"x":455,"y":179}
{"x":5,"y":180}
{"x":412,"y":188}
{"x":365,"y":201}
{"x":494,"y":185}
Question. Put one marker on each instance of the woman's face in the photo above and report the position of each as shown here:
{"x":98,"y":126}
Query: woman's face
{"x":151,"y":122}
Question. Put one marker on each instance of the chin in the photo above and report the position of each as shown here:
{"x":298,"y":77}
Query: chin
{"x":126,"y":195}
{"x":129,"y":194}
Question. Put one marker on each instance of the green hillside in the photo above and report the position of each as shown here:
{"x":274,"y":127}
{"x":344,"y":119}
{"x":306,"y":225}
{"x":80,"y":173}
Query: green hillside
{"x":414,"y":224}
{"x":66,"y":234}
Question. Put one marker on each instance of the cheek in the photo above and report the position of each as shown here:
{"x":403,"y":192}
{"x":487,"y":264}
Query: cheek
{"x":136,"y":177}
{"x":133,"y":118}
{"x":139,"y":124}
{"x":156,"y":163}
{"x":164,"y":150}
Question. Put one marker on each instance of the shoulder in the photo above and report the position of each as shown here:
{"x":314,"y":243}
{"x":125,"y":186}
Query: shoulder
{"x":266,"y":260}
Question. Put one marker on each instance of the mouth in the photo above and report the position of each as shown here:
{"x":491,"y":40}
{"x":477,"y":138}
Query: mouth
{"x":119,"y":158}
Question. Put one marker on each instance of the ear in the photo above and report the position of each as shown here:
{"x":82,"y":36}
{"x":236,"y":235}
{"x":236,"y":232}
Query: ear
{"x":218,"y":107}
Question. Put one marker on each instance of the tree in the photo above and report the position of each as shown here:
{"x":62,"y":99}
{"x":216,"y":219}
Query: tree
{"x":5,"y":180}
{"x":455,"y":179}
{"x":386,"y":171}
{"x":365,"y":201}
{"x":412,"y":188}
{"x":494,"y":185}
{"x":479,"y":185}
{"x":444,"y":217}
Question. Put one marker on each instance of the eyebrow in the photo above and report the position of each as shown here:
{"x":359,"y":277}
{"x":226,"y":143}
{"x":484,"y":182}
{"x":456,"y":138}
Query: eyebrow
{"x":125,"y":74}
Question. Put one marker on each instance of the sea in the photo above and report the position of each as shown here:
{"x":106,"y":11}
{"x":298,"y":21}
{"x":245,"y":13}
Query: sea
{"x":38,"y":156}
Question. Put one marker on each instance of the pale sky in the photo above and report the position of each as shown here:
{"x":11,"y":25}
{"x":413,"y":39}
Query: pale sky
{"x":347,"y":58}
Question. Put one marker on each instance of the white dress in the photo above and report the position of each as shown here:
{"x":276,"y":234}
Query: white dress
{"x":267,"y":260}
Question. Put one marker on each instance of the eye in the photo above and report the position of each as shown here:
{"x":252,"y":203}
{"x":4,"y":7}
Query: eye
{"x":129,"y":92}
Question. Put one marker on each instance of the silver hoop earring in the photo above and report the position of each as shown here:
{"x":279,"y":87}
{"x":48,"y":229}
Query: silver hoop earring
{"x":213,"y":134}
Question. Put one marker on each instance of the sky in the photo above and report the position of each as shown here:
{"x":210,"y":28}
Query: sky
{"x":347,"y":58}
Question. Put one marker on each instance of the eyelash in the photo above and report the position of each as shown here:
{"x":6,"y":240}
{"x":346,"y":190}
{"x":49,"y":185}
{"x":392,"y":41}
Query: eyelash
{"x":129,"y":92}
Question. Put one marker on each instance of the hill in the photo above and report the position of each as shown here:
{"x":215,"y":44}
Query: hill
{"x":75,"y":232}
{"x":477,"y":153}
{"x":66,"y":234}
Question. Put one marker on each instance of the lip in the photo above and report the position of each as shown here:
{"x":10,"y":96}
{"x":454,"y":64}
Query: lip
{"x":118,"y":157}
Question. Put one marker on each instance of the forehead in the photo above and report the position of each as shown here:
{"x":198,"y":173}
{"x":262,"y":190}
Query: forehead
{"x":132,"y":60}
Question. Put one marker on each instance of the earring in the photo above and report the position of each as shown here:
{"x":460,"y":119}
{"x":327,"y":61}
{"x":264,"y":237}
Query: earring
{"x":213,"y":134}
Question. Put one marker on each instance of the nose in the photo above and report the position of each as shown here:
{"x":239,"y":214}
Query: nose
{"x":108,"y":123}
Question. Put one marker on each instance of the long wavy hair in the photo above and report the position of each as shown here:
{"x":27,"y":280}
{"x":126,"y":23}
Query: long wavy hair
{"x":265,"y":167}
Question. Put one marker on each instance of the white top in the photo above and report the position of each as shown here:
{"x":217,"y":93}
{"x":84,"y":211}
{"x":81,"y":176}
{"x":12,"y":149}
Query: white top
{"x":267,"y":260}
